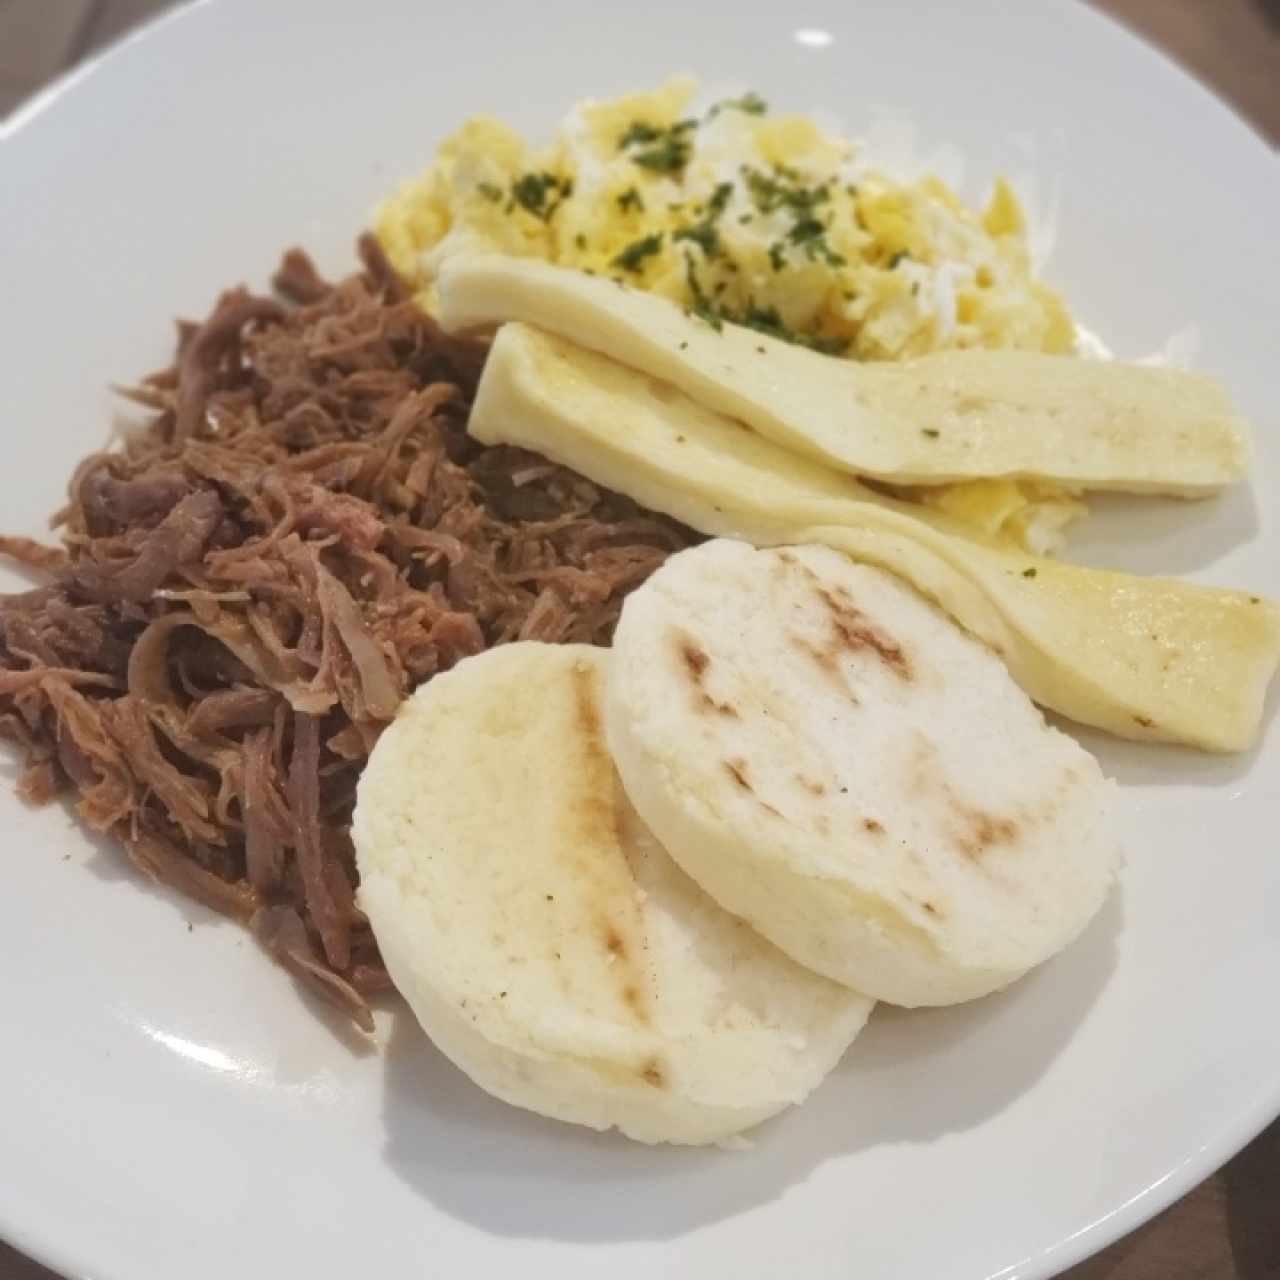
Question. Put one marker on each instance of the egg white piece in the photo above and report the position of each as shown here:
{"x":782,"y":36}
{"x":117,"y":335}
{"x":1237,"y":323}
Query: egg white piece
{"x":837,"y":763}
{"x":545,"y":940}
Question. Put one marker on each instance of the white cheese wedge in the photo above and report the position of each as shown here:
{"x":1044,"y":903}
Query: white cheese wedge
{"x":950,"y":416}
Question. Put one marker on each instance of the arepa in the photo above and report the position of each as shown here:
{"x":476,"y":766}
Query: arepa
{"x":547,"y":943}
{"x":836,"y":762}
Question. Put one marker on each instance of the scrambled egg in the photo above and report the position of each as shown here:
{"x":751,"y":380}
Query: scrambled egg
{"x":756,"y":220}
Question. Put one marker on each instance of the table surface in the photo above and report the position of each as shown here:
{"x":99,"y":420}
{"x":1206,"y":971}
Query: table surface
{"x":1229,"y":1227}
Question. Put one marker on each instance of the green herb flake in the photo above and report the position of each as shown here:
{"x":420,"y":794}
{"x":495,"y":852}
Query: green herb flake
{"x":766,"y":320}
{"x":750,"y":103}
{"x":540,"y":193}
{"x":632,"y":258}
{"x":703,"y":308}
{"x":666,"y":150}
{"x":783,"y":189}
{"x":630,"y":200}
{"x":720,"y":198}
{"x":489,"y":191}
{"x":707,"y":313}
{"x":580,"y":241}
{"x":703,"y":234}
{"x":637,"y":132}
{"x":1029,"y":573}
{"x":810,"y":235}
{"x":932,"y":432}
{"x":669,"y":156}
{"x":777,"y":255}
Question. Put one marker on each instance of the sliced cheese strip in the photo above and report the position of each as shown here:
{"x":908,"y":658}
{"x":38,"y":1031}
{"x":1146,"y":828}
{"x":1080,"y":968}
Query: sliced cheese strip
{"x":836,"y":762}
{"x":952,"y":416}
{"x":1144,"y":658}
{"x":547,"y":942}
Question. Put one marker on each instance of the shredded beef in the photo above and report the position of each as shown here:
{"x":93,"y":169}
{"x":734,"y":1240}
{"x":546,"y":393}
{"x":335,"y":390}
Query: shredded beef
{"x":247,"y":587}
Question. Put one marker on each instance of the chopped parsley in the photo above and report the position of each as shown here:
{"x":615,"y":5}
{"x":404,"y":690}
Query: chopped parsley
{"x":704,"y":233}
{"x":751,"y":103}
{"x":540,"y":193}
{"x":932,"y":432}
{"x":638,"y":131}
{"x":580,"y":241}
{"x":1029,"y":573}
{"x":489,"y":191}
{"x":720,"y":198}
{"x":632,"y":258}
{"x":784,"y":189}
{"x":703,"y":308}
{"x":766,"y":320}
{"x":664,"y":150}
{"x":630,"y":200}
{"x":810,"y":234}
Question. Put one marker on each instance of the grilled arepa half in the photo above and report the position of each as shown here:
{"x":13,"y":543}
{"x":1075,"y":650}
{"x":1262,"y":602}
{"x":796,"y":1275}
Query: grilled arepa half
{"x":836,"y":762}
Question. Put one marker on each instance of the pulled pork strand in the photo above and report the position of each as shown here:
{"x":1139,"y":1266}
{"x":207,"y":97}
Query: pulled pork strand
{"x":248,"y":586}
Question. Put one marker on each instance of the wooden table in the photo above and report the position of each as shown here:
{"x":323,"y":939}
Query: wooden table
{"x":1229,"y":1227}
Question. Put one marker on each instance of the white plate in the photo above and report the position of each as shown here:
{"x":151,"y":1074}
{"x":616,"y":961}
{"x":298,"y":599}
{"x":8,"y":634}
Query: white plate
{"x":168,"y":1104}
